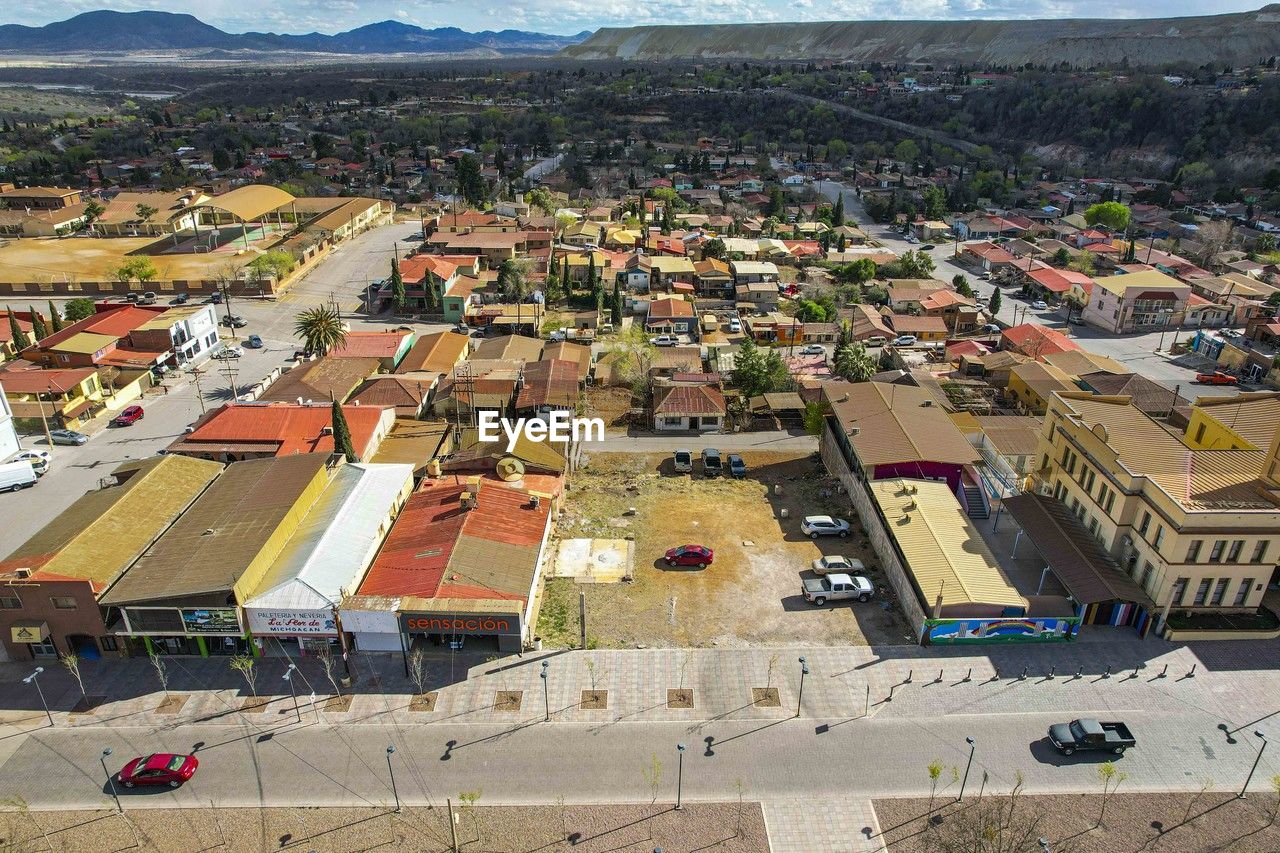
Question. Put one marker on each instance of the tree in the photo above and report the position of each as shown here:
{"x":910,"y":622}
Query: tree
{"x":1112,"y":214}
{"x":906,"y":151}
{"x":137,"y":267}
{"x":16,"y":333}
{"x":397,"y":285}
{"x":1083,"y":263}
{"x":1062,"y":257}
{"x":470,"y":182}
{"x":615,"y":310}
{"x":244,"y":664}
{"x":1111,"y":779}
{"x":342,"y":434}
{"x":54,"y":319}
{"x":935,"y":202}
{"x":162,"y":672}
{"x":837,"y":213}
{"x":935,"y":771}
{"x":714,"y":248}
{"x":92,"y":210}
{"x":78,"y":309}
{"x":276,"y":264}
{"x":552,"y":292}
{"x":320,"y":329}
{"x":38,"y":329}
{"x":749,"y":374}
{"x":912,"y":264}
{"x":853,"y":363}
{"x":993,"y":307}
{"x":145,"y":211}
{"x":513,"y":281}
{"x":962,"y":286}
{"x":815,"y":417}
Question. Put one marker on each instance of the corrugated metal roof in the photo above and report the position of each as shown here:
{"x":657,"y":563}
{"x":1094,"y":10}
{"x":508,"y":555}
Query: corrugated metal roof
{"x":512,"y":347}
{"x":435,"y":353}
{"x":322,"y":380}
{"x":297,"y":429}
{"x":1254,"y":417}
{"x":944,"y":551}
{"x":897,"y":423}
{"x":549,"y":383}
{"x":371,"y":344}
{"x":336,"y":541}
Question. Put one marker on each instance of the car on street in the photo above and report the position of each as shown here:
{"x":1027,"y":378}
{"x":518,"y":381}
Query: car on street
{"x":148,"y":298}
{"x":904,"y":341}
{"x":16,"y":476}
{"x":712,"y":466}
{"x":737,"y":468}
{"x":181,"y":299}
{"x":985,"y":276}
{"x":161,"y":768}
{"x":132,"y":297}
{"x":254,"y":342}
{"x":1216,"y":378}
{"x":875,"y":341}
{"x":67,"y":436}
{"x":835,"y":564}
{"x":682,"y":461}
{"x":991,"y":329}
{"x":129,"y":416}
{"x":813,"y":349}
{"x":814,"y":526}
{"x":216,"y":298}
{"x":735,"y":325}
{"x":1040,"y":305}
{"x":690,"y":555}
{"x":664,"y":341}
{"x":228,"y":351}
{"x":235,"y":321}
{"x":1087,"y":733}
{"x":928,"y":247}
{"x":39,"y":459}
{"x":818,"y":591}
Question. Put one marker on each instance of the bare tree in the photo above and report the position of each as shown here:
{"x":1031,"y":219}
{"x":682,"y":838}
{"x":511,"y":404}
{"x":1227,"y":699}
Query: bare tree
{"x":244,"y":664}
{"x":418,"y":670}
{"x":768,"y":678}
{"x":994,"y":824}
{"x":468,"y":800}
{"x":72,"y":663}
{"x":327,"y":662}
{"x":1191,"y":803}
{"x":1111,"y":779}
{"x":935,"y":771}
{"x":652,"y":773}
{"x":162,"y":672}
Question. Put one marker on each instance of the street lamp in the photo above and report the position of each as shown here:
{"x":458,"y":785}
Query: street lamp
{"x":288,"y":676}
{"x":804,"y":670}
{"x":1256,"y":759}
{"x":111,"y":782}
{"x":965,"y":781}
{"x":546,"y":702}
{"x":679,"y":774}
{"x":390,"y":752}
{"x":34,"y":678}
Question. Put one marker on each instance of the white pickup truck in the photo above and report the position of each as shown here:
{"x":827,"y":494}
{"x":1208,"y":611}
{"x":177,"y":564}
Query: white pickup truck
{"x":818,"y":591}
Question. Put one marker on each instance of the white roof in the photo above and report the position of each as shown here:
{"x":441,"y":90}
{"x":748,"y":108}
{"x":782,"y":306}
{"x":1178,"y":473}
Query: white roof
{"x":753,"y":267}
{"x":741,"y":244}
{"x":336,"y":541}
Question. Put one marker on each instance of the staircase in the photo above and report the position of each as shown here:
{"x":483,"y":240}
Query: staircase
{"x":974,"y":505}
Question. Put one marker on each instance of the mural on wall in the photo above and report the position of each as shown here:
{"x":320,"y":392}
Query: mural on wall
{"x":1041,"y":630}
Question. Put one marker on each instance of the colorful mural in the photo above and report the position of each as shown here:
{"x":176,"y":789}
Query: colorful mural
{"x":1020,"y":630}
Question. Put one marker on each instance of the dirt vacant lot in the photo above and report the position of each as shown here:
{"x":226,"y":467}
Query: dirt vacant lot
{"x":750,"y":596}
{"x":44,"y":259}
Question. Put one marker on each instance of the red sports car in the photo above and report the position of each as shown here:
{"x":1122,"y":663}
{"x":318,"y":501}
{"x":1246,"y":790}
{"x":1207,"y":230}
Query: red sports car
{"x":130,"y":415}
{"x":163,"y":768}
{"x":690,"y":555}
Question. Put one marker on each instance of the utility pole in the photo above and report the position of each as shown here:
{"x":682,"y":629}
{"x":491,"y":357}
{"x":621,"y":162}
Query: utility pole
{"x":196,"y":373}
{"x":229,"y":370}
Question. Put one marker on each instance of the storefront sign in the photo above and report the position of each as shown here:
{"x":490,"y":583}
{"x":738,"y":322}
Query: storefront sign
{"x":221,"y":620}
{"x":292,"y":622}
{"x":30,"y":632}
{"x":461,"y":623}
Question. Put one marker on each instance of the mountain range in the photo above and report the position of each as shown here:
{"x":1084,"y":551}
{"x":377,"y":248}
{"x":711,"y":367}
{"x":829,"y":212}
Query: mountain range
{"x":1234,"y":39}
{"x":115,"y":32}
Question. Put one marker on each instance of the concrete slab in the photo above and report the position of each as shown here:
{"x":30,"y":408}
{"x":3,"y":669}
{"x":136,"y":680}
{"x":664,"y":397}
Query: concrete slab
{"x":595,"y":560}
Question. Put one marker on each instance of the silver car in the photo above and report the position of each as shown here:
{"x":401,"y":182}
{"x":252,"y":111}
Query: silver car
{"x":824,"y":525}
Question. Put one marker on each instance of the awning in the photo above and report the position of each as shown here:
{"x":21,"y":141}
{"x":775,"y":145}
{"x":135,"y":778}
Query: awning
{"x":1088,"y":572}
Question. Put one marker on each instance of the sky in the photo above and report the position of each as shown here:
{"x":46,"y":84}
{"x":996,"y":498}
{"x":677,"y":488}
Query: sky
{"x":571,"y":16}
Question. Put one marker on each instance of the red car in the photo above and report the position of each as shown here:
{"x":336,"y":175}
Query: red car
{"x":163,"y":768}
{"x":131,"y":415}
{"x":690,"y":555}
{"x":1215,"y":378}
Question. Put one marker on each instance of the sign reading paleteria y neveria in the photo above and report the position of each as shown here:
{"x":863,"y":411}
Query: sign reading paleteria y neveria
{"x":313,"y":622}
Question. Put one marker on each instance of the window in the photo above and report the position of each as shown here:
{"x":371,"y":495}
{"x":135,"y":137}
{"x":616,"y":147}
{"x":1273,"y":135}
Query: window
{"x":1220,"y":591}
{"x":1111,"y":501}
{"x":1243,"y":591}
{"x":108,"y":644}
{"x":1200,"y":434}
{"x":1147,"y":570}
{"x":1093,"y":526}
{"x":1215,"y":556}
{"x":1193,"y":550}
{"x":63,"y":602}
{"x":1155,"y":543}
{"x":1179,"y":590}
{"x":1146,"y":522}
{"x":1202,"y":591}
{"x":1260,"y":551}
{"x":10,"y":601}
{"x":1233,"y":556}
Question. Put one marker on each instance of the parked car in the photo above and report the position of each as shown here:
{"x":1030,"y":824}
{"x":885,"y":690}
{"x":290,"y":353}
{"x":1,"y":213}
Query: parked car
{"x":1039,"y":305}
{"x":985,"y":276}
{"x":254,"y":342}
{"x":711,"y":464}
{"x":690,"y":555}
{"x":991,"y":329}
{"x":162,"y":768}
{"x":1216,"y":378}
{"x":928,"y":247}
{"x":235,"y":322}
{"x":131,"y":298}
{"x":818,"y":591}
{"x":737,"y":468}
{"x":834,"y":564}
{"x":228,"y":351}
{"x":67,"y":436}
{"x":216,"y":298}
{"x":683,"y":461}
{"x":148,"y":298}
{"x":664,"y":341}
{"x":181,"y":298}
{"x":735,"y":325}
{"x":1086,"y":733}
{"x":39,"y":459}
{"x":812,"y":349}
{"x":128,"y":417}
{"x":876,"y":341}
{"x":824,"y":525}
{"x":15,"y":476}
{"x":904,"y":341}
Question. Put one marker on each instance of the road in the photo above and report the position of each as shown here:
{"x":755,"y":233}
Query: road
{"x":727,"y":442}
{"x":543,"y":168}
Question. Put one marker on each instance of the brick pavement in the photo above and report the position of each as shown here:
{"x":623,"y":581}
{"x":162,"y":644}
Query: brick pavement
{"x":838,"y":825}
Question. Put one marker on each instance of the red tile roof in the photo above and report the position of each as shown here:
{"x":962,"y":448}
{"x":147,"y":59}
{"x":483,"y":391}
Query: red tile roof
{"x":116,"y":322}
{"x":293,"y":428}
{"x":667,"y":309}
{"x":370,"y":345}
{"x":34,"y":380}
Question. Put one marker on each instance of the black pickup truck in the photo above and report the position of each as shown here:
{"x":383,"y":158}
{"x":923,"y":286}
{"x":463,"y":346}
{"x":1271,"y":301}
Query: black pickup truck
{"x":1091,"y":734}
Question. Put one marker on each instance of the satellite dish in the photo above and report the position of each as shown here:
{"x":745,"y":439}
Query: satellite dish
{"x":510,"y":469}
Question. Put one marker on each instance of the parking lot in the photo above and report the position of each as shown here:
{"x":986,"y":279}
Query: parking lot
{"x":749,"y":596}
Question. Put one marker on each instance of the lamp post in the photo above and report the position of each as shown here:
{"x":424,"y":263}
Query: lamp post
{"x":391,"y":750}
{"x":804,"y":670}
{"x":969,"y":764}
{"x":34,"y":678}
{"x":111,"y":783}
{"x":546,"y":702}
{"x":679,"y":774}
{"x":1256,"y":759}
{"x":288,"y":676}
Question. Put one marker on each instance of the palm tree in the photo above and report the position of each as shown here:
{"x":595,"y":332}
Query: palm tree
{"x":320,"y":329}
{"x":513,"y":282}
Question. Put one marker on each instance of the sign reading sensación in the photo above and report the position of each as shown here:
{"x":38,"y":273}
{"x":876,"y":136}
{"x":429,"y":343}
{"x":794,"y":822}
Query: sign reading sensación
{"x":461,"y":623}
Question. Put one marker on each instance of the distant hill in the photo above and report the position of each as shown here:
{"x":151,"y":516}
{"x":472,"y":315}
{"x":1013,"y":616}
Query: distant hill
{"x":114,"y":32}
{"x":1236,"y":39}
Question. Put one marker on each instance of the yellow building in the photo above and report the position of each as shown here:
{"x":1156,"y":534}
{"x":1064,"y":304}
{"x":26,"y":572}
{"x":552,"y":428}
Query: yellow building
{"x":58,"y":397}
{"x":1242,"y":422}
{"x":1032,"y":384}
